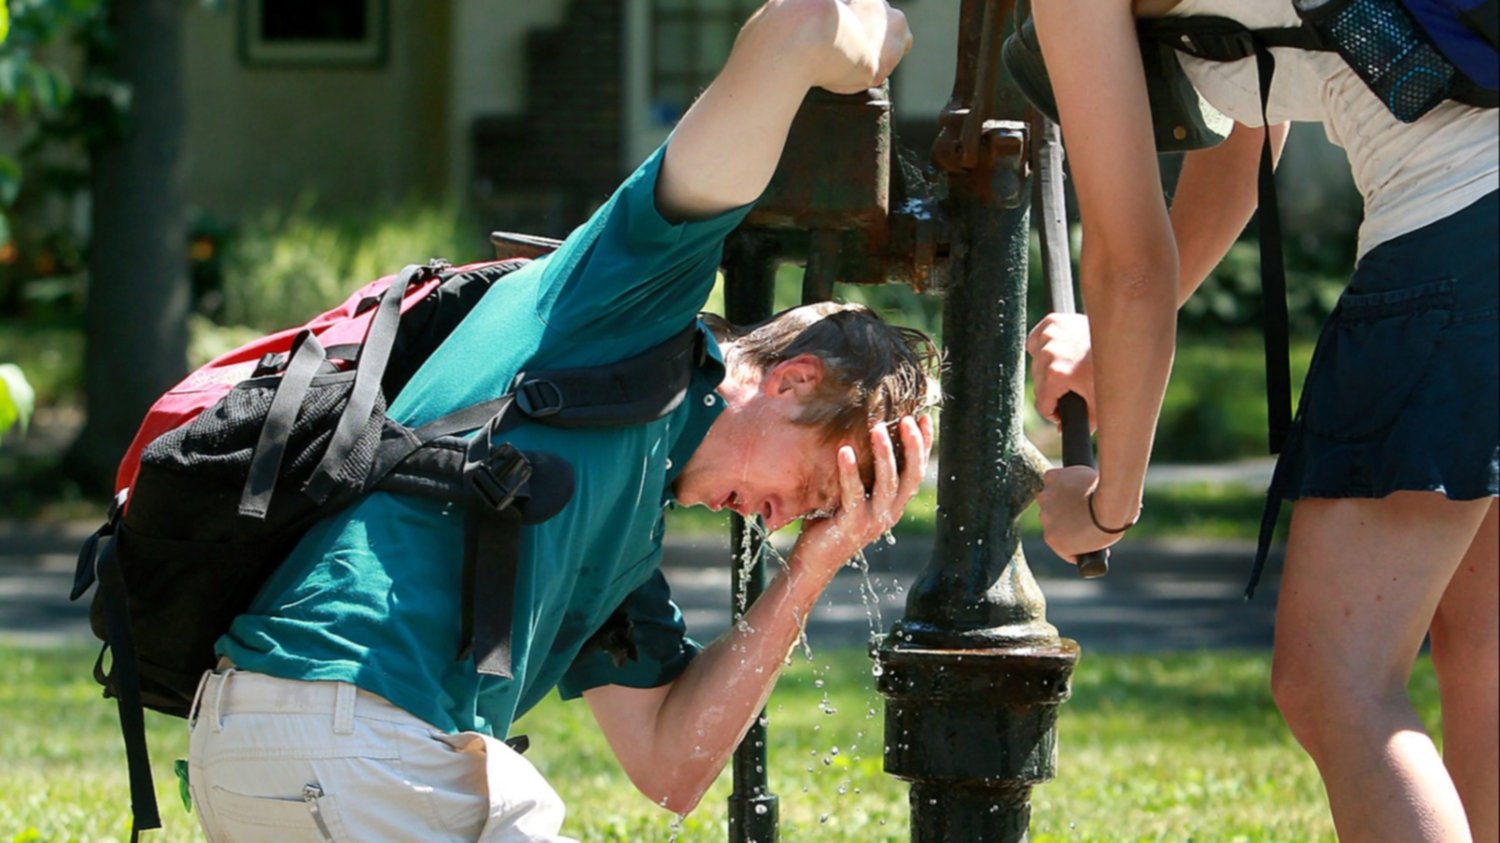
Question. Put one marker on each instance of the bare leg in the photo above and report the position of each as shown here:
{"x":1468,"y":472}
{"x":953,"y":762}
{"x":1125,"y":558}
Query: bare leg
{"x":1363,"y":580}
{"x":1466,"y":655}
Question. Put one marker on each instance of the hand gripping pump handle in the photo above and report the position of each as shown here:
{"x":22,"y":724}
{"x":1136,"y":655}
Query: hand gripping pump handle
{"x":1052,"y":224}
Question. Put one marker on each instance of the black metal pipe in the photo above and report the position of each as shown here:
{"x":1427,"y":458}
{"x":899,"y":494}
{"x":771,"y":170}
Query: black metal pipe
{"x":749,"y":288}
{"x":976,"y":590}
{"x":973,"y":674}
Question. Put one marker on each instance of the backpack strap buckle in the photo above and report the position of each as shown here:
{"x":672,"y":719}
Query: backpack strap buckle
{"x":1202,"y":36}
{"x":499,"y":478}
{"x":538,"y":397}
{"x":1212,"y":44}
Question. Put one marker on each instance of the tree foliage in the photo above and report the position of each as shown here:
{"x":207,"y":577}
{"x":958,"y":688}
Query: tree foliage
{"x":40,"y":78}
{"x":16,"y":398}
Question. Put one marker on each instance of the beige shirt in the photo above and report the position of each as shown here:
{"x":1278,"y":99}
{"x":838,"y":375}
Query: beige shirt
{"x":1410,"y":174}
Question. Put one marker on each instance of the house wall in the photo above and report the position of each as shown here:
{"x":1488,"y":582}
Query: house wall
{"x":920,"y":87}
{"x":488,"y":74}
{"x":922,"y":84}
{"x":543,"y":168}
{"x":260,"y":136}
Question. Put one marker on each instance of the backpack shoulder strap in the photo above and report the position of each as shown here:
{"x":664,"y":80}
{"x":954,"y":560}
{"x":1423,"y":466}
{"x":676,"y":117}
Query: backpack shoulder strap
{"x":636,"y":390}
{"x":373,"y":356}
{"x":1224,"y":39}
{"x":1219,"y":39}
{"x":633,"y":391}
{"x":506,"y":488}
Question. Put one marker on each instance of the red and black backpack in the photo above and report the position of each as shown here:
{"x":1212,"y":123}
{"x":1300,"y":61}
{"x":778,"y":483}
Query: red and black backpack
{"x":233,"y":465}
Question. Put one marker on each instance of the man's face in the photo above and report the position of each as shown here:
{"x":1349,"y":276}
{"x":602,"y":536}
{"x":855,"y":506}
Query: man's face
{"x":755,"y":461}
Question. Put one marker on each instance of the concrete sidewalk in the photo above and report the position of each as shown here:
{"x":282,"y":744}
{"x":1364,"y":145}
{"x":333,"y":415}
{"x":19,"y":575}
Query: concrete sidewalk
{"x":1161,"y":595}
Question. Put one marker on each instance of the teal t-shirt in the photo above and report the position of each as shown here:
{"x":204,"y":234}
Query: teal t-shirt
{"x":371,"y":596}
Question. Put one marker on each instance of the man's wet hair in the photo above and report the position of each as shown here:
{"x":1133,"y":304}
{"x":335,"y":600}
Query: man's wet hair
{"x":873,"y":372}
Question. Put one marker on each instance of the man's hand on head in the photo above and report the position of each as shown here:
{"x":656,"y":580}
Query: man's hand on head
{"x":861,"y":516}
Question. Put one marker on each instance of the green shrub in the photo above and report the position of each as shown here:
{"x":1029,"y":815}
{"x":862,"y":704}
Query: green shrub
{"x":1231,"y":295}
{"x":281,"y":268}
{"x":51,"y":355}
{"x":16,"y":398}
{"x":1215,"y":407}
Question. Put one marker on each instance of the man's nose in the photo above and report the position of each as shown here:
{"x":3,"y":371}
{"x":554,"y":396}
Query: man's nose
{"x":776,"y":513}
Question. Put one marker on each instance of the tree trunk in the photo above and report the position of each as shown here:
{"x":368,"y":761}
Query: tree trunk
{"x":136,"y":317}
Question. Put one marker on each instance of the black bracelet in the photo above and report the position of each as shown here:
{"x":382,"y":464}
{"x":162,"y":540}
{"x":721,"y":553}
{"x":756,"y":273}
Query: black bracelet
{"x":1103,"y":529}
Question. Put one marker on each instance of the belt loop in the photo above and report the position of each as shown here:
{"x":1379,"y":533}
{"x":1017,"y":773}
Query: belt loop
{"x":216,"y":714}
{"x":343,"y":709}
{"x":198,"y":699}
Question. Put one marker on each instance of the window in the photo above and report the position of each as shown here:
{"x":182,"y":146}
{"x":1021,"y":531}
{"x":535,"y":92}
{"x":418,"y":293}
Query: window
{"x":347,"y":33}
{"x":690,"y":39}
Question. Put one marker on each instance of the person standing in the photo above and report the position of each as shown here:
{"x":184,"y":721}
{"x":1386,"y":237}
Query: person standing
{"x":1391,"y":463}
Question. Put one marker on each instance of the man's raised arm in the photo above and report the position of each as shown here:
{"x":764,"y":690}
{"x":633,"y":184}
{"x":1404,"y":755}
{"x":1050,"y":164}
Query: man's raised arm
{"x":724,"y":151}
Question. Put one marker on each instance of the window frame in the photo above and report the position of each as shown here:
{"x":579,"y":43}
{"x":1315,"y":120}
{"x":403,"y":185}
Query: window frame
{"x":371,"y":51}
{"x":696,"y":16}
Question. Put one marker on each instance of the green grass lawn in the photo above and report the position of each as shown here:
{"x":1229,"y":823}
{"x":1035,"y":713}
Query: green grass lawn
{"x":1152,"y":748}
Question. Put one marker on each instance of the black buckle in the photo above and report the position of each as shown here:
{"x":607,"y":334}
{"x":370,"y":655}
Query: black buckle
{"x":1204,"y":37}
{"x":1217,"y":45}
{"x":500,"y":477}
{"x":538,"y":398}
{"x":271,"y":363}
{"x":117,"y":507}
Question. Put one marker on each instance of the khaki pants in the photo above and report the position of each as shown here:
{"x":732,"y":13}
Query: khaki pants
{"x":285,"y":760}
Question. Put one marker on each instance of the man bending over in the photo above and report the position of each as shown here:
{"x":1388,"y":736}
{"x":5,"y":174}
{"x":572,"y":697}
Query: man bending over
{"x":340,"y":709}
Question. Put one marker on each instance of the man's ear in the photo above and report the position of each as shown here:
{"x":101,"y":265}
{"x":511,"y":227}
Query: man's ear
{"x":797,"y":377}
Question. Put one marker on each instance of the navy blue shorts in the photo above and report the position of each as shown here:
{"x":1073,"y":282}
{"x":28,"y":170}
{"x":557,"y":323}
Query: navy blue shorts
{"x":1403,"y":391}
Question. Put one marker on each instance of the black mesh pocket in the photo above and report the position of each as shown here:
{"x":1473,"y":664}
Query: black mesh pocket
{"x":191,"y":478}
{"x":1379,"y":39}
